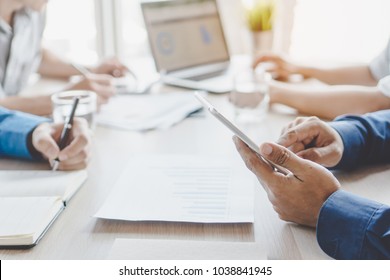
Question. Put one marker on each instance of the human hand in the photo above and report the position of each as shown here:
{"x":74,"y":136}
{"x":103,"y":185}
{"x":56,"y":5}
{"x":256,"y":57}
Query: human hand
{"x":111,"y":66}
{"x":74,"y":156}
{"x":102,"y":85}
{"x":298,"y":196}
{"x":312,"y":139}
{"x":281,"y":68}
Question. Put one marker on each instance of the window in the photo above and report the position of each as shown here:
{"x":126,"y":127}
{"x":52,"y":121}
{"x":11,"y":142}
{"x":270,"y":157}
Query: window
{"x":133,"y":39}
{"x":71,"y":30}
{"x":87,"y":30}
{"x":342,"y":31}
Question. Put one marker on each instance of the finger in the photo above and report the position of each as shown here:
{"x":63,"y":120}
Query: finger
{"x":104,"y":91}
{"x":82,"y":156}
{"x":283,"y":157}
{"x":296,"y":147}
{"x":263,"y":171}
{"x":306,"y":130}
{"x":68,"y":167}
{"x":44,"y":143}
{"x":251,"y":159}
{"x":274,"y":75}
{"x":299,"y":120}
{"x":265,"y":58}
{"x":326,"y":156}
{"x":102,"y":100}
{"x":104,"y":80}
{"x":288,"y":127}
{"x":73,"y":149}
{"x":121,"y":70}
{"x":80,"y":139}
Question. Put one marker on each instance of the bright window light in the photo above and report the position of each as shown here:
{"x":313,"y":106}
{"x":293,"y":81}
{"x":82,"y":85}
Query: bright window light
{"x":340,"y":31}
{"x":71,"y":30}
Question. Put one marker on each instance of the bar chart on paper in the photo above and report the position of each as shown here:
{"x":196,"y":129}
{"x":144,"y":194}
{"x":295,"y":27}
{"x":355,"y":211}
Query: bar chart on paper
{"x":183,"y":189}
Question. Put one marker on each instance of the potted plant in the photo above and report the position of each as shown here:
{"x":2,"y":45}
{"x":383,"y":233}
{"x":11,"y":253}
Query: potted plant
{"x":259,"y":18}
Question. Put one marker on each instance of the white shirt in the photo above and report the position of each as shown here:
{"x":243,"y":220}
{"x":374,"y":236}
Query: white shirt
{"x":380,"y":69}
{"x":20,"y":50}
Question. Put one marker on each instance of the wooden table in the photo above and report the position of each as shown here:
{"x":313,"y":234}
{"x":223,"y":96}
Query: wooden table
{"x":78,"y":235}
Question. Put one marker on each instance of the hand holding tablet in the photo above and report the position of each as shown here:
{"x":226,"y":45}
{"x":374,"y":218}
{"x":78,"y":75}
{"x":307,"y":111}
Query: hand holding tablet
{"x":238,"y":133}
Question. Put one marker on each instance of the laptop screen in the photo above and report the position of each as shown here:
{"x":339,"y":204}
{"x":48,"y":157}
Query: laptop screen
{"x":184,"y":33}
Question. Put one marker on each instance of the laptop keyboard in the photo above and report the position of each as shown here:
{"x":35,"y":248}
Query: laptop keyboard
{"x":207,"y":76}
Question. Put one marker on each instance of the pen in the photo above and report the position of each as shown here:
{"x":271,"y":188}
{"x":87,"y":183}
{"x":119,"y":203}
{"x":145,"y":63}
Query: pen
{"x":66,"y":131}
{"x":83,"y":71}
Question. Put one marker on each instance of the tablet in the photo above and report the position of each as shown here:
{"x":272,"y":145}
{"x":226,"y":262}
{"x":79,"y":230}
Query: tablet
{"x":233,"y":128}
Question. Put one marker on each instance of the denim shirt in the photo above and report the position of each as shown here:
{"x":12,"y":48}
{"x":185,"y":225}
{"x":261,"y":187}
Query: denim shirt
{"x":15,"y":128}
{"x":349,"y":226}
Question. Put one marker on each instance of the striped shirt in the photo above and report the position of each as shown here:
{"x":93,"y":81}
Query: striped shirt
{"x":20,"y":50}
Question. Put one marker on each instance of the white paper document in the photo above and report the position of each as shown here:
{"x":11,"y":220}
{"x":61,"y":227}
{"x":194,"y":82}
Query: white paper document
{"x":144,"y":249}
{"x":146,"y":112}
{"x":179,"y":188}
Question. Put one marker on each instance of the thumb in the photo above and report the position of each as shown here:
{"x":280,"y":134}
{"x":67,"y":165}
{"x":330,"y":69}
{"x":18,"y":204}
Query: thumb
{"x":282,"y":157}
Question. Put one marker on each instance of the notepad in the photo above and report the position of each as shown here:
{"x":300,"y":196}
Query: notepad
{"x":30,"y":201}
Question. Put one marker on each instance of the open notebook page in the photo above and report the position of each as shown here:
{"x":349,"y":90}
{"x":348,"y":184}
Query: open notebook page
{"x":24,"y":220}
{"x":21,"y":183}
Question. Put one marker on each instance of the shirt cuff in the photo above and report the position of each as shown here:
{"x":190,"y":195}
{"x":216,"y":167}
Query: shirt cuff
{"x":342,"y":225}
{"x":384,"y":85}
{"x":18,"y":136}
{"x":352,"y":141}
{"x":379,"y":66}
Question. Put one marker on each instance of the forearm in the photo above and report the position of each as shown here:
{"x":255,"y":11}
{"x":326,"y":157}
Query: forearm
{"x":15,"y":133}
{"x":354,"y":75}
{"x":54,"y":67}
{"x":366,"y":139}
{"x":351,"y":227}
{"x":332,"y":101}
{"x":40,"y":105}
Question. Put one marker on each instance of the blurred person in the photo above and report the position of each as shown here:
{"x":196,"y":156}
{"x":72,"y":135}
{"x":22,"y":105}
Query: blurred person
{"x":353,"y":89}
{"x":21,"y":28}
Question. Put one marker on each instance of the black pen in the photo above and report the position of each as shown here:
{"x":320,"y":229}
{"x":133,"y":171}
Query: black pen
{"x":66,"y":130}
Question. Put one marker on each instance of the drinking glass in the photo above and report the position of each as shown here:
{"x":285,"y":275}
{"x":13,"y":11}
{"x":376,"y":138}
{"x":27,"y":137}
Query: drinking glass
{"x":63,"y":101}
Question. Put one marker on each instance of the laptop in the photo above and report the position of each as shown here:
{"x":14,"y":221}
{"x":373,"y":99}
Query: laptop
{"x":188,"y":44}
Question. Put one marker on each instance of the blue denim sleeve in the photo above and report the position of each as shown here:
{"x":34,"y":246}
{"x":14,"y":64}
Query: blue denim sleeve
{"x":15,"y":128}
{"x":351,"y":227}
{"x":366,"y":139}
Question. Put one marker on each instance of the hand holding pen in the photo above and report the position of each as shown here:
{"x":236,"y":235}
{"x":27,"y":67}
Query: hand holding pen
{"x":66,"y":131}
{"x":46,"y":141}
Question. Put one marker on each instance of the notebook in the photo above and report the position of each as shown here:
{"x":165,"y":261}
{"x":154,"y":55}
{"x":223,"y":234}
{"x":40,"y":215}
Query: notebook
{"x":30,"y":201}
{"x":188,"y":44}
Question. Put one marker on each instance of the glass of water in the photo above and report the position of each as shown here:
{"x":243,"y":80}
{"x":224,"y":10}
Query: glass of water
{"x":250,"y":95}
{"x":63,"y":101}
